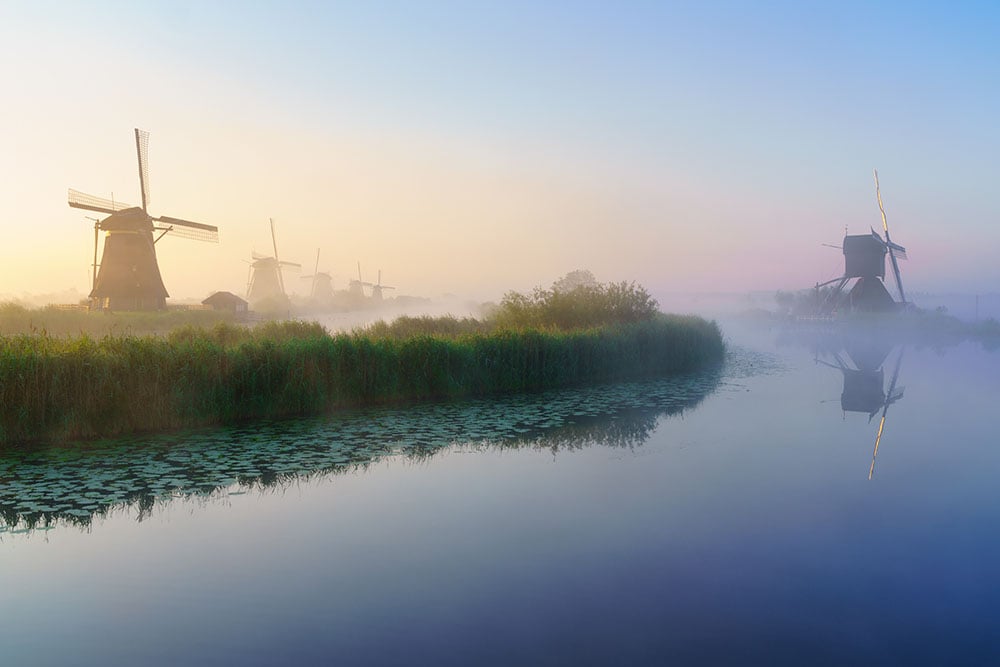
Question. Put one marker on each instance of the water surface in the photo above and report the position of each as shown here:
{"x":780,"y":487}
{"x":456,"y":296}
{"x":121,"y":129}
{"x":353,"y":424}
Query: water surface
{"x":721,"y":518}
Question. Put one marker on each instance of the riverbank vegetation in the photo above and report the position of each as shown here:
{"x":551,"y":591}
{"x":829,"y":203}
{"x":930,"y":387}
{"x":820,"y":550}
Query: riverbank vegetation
{"x":79,"y":387}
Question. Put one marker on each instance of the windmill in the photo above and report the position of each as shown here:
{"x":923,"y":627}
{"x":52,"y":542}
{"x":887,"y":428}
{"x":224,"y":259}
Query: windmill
{"x":357,"y":287}
{"x":864,"y":260}
{"x":265,"y":282}
{"x":322,"y":283}
{"x":128,"y":277}
{"x":378,"y":287}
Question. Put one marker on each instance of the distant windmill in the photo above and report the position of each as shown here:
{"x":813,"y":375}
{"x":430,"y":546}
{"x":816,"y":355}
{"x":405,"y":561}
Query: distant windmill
{"x":864,"y":259}
{"x":322,"y":283}
{"x":128,"y":277}
{"x":378,"y":287}
{"x":265,"y":281}
{"x":357,"y":287}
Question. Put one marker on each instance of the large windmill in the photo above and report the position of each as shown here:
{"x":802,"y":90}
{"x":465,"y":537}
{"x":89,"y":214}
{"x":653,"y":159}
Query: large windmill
{"x":128,"y":277}
{"x":864,"y":260}
{"x":265,"y":284}
{"x":322,"y":283}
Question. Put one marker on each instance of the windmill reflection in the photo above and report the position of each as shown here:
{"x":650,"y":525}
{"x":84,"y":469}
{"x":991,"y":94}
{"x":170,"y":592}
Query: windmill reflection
{"x":864,"y":382}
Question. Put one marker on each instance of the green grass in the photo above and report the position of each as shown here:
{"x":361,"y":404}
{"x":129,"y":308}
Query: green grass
{"x":55,"y":388}
{"x":56,"y":321}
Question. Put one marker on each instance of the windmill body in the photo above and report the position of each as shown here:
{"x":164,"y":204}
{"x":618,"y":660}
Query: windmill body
{"x":128,"y":276}
{"x":265,"y":283}
{"x":864,"y":259}
{"x":322,"y":286}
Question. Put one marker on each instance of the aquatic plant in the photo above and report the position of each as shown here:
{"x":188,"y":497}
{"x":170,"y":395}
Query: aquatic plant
{"x":43,"y":486}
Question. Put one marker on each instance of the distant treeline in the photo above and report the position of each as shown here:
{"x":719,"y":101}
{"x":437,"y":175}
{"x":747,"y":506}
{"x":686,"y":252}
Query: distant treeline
{"x":54,"y":388}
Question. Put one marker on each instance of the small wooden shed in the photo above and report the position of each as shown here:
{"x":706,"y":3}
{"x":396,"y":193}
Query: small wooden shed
{"x":226,"y":301}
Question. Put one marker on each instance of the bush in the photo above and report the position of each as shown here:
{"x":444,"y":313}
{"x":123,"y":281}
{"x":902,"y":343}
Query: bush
{"x":577,"y":301}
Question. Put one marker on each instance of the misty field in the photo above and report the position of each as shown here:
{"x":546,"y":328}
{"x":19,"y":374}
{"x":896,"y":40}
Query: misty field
{"x":65,"y":388}
{"x":59,"y":321}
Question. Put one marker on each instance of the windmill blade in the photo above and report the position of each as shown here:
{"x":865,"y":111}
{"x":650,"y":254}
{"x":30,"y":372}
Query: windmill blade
{"x":274,"y":240}
{"x":141,"y":152}
{"x":189,"y":233}
{"x":292,"y":264}
{"x":78,"y":199}
{"x":897,"y":249}
{"x":274,"y":243}
{"x":187,"y":223}
{"x":315,"y":276}
{"x":888,"y":242}
{"x":878,"y":196}
{"x":190,"y":230}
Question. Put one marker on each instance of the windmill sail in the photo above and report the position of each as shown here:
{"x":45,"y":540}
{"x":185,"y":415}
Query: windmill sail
{"x":891,"y":246}
{"x":77,"y":199}
{"x":142,"y":151}
{"x":189,"y":230}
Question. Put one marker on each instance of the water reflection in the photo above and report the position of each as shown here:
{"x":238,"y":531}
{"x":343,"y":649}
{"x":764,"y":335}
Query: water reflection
{"x":41,"y":487}
{"x":864,"y":382}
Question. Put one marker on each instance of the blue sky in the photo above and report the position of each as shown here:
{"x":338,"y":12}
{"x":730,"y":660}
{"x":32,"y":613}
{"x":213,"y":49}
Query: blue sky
{"x":738,"y":135}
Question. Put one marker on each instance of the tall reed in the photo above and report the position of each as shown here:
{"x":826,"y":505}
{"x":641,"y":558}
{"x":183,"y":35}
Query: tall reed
{"x":62,"y":388}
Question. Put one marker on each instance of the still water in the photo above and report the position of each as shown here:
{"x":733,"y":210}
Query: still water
{"x":736,"y":516}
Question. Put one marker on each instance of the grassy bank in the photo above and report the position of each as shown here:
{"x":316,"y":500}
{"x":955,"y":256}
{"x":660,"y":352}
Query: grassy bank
{"x":54,"y":388}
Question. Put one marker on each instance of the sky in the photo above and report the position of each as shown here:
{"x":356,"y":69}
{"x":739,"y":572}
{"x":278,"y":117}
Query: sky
{"x":473,"y":148}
